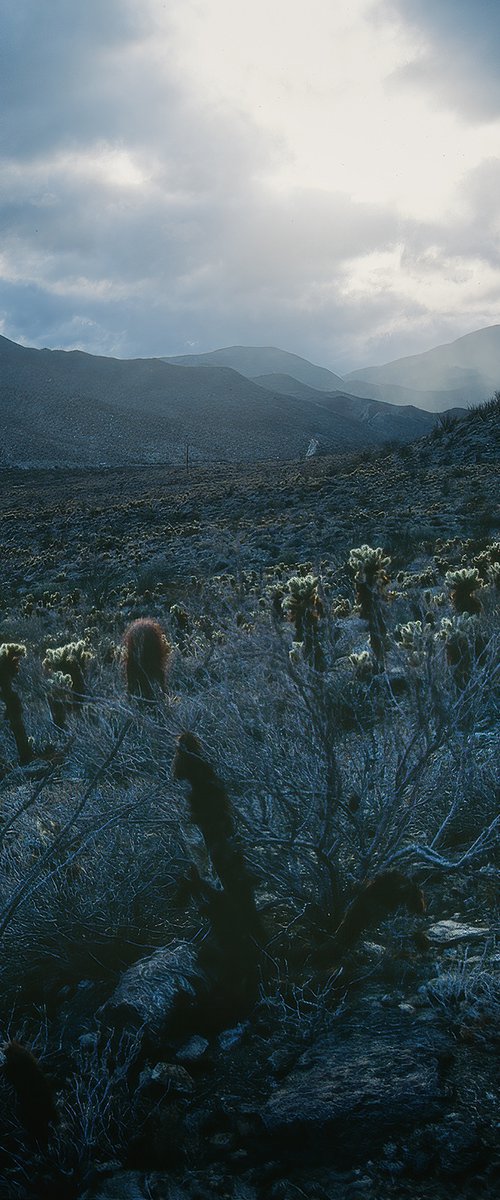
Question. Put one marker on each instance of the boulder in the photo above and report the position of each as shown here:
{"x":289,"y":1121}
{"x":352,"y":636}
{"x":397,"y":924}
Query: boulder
{"x":157,"y":994}
{"x":345,"y":1098}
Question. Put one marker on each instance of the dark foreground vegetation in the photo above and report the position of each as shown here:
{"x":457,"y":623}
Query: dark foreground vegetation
{"x":249,"y":848}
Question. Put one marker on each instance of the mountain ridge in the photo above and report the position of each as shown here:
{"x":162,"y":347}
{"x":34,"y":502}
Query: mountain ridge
{"x":65,"y":408}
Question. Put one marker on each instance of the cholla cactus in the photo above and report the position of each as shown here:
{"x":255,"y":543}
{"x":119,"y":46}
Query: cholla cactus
{"x":11,"y":654}
{"x":494,"y":575}
{"x":368,"y":565}
{"x":464,"y":584}
{"x":460,"y":635}
{"x":363,"y":665}
{"x":180,"y":618}
{"x":60,"y":687}
{"x":179,"y":615}
{"x":302,"y":605}
{"x":71,"y":660}
{"x":416,"y":638}
{"x":296,"y":653}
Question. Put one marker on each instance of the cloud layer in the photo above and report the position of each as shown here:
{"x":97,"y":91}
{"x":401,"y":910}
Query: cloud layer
{"x":170,"y":182}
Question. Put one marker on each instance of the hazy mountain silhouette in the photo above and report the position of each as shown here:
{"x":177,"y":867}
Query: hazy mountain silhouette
{"x":266,"y":360}
{"x":385,"y":420}
{"x":466,"y":371}
{"x":68,"y":408}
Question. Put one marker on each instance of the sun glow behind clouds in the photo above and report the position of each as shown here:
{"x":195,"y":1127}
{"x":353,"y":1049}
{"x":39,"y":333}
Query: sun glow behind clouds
{"x":323,"y":82}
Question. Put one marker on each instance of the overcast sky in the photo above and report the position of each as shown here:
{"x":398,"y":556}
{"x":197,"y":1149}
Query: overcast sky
{"x":183,"y":175}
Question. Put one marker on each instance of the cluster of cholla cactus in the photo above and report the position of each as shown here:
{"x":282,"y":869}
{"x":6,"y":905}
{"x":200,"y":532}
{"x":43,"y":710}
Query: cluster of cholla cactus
{"x":303,"y":606}
{"x":180,"y":620}
{"x":11,"y":654}
{"x":70,"y":660}
{"x":369,"y":565}
{"x":463,"y":643}
{"x":363,"y":665}
{"x":67,"y":685}
{"x":488,"y":564}
{"x":416,"y":638}
{"x":464,"y":584}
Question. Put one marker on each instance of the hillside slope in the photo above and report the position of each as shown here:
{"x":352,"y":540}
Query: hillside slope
{"x":61,"y":408}
{"x":388,"y":421}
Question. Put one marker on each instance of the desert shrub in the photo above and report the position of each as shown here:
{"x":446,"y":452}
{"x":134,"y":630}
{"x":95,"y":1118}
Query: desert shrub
{"x":466,"y":995}
{"x":91,"y":854}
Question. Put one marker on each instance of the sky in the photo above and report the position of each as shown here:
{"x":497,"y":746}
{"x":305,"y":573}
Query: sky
{"x":181,"y":176}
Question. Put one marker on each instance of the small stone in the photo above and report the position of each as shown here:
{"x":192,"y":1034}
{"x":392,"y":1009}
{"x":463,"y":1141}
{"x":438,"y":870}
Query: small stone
{"x":448,"y":932}
{"x":194,"y":1050}
{"x":169,"y":1076}
{"x":230,"y":1037}
{"x":406,"y":1008}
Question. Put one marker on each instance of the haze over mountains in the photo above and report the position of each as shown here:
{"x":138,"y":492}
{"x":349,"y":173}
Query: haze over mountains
{"x":463,"y":372}
{"x":467,"y":369}
{"x":68,"y":408}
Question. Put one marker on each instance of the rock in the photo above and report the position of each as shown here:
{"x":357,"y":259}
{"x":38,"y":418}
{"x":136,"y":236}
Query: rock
{"x":281,"y":1061}
{"x":170,"y":1076}
{"x":347,"y":1097}
{"x":194,"y":1050}
{"x":230,"y":1037}
{"x":157,"y":993}
{"x":447,"y":932}
{"x":125,"y":1185}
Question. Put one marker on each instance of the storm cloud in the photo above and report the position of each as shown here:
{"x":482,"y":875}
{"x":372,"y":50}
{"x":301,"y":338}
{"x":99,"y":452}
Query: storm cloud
{"x":149,"y":208}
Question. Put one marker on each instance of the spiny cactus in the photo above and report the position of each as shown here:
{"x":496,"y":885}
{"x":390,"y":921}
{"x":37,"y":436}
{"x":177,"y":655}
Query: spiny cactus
{"x":147,"y":652}
{"x":488,"y":559}
{"x":70,"y":659}
{"x":181,"y":621}
{"x":463,"y":642}
{"x":368,"y":565}
{"x":493,"y":576}
{"x":416,"y":638}
{"x":11,"y":654}
{"x":302,"y":605}
{"x":211,"y":810}
{"x":60,"y":689}
{"x":464,"y":584}
{"x":363,"y":665}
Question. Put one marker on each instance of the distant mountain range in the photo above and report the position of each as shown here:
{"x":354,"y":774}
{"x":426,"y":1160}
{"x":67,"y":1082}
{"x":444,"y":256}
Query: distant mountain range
{"x":68,"y":408}
{"x":252,"y":361}
{"x":466,"y":371}
{"x":463,"y":372}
